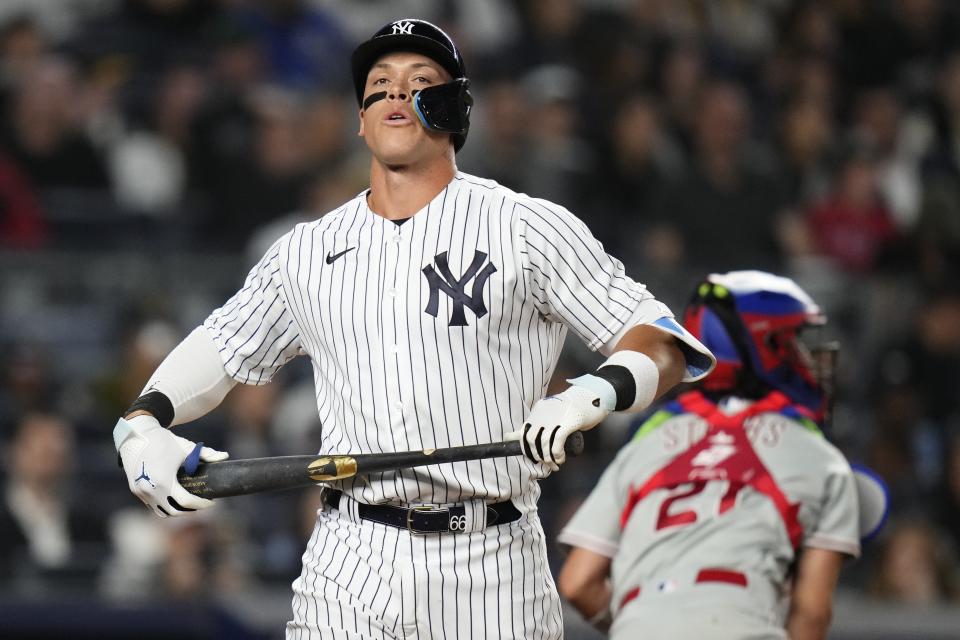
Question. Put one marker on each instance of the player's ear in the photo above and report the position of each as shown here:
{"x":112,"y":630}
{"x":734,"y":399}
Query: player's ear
{"x":360,"y":115}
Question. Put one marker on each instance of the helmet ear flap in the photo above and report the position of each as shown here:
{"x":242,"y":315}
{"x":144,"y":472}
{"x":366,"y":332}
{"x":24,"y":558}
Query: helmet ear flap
{"x":446,"y":108}
{"x":719,"y":326}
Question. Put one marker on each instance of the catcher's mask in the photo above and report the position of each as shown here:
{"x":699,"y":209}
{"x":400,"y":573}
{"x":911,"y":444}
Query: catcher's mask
{"x":752,"y":321}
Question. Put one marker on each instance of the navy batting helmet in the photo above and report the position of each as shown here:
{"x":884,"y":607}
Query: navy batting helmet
{"x":444,"y":108}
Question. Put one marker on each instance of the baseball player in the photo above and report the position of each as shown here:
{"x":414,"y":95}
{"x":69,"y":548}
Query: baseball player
{"x":433,"y":306}
{"x":729,"y":499}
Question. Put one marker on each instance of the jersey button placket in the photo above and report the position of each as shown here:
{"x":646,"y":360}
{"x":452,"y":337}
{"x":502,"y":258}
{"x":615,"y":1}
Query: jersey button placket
{"x":394,"y":319}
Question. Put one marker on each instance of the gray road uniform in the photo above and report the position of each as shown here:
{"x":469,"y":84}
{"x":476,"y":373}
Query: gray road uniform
{"x":703,"y":520}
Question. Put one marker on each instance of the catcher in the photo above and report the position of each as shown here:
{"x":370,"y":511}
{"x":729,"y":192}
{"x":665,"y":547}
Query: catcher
{"x":729,"y":514}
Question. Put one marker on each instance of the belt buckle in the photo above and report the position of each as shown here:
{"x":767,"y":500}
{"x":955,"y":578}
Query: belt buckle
{"x":423,"y":508}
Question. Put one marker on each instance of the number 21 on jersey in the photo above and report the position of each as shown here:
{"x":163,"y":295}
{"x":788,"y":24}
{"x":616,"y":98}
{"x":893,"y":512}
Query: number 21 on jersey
{"x":672,"y":512}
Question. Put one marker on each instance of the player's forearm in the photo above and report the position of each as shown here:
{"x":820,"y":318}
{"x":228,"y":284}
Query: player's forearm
{"x":584,"y":582}
{"x":593,"y":602}
{"x":645,"y":364}
{"x":811,"y":603}
{"x":661,"y":348}
{"x":808,"y":625}
{"x":191,"y":378}
{"x":591,"y":599}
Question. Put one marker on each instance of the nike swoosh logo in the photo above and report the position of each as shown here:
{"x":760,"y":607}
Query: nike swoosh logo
{"x":333,"y":256}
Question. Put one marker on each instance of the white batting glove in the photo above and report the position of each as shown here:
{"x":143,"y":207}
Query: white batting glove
{"x":554,"y":418}
{"x":151,"y":456}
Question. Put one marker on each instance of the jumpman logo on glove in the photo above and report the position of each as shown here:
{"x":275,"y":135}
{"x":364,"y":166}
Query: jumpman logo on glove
{"x":143,"y":476}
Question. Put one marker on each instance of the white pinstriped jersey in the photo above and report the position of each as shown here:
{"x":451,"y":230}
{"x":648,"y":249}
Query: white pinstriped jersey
{"x":441,"y":331}
{"x":659,"y":534}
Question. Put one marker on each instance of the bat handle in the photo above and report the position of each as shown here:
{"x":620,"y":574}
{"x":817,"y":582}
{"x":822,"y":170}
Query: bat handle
{"x":574,"y":444}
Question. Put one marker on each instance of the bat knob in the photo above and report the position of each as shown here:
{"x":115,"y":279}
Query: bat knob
{"x":574,"y":444}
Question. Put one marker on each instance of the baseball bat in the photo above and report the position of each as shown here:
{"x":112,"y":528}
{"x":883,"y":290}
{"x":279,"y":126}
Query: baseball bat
{"x":253,"y":475}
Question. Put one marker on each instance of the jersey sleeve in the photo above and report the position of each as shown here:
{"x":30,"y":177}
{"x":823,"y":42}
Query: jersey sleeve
{"x":254,"y":331}
{"x":596,"y":524}
{"x":838,"y":525}
{"x":571,"y":278}
{"x":574,"y":281}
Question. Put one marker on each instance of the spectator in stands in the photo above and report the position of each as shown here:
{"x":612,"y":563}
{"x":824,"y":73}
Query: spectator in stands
{"x":267,"y":182}
{"x":924,"y":32}
{"x":724,"y":208}
{"x":559,"y":161}
{"x":21,"y":221}
{"x":223,"y":130}
{"x":56,"y":20}
{"x":196,"y":561}
{"x":938,"y":227}
{"x":880,"y":121}
{"x":917,"y":398}
{"x":916,"y":566}
{"x":552,"y":31}
{"x":503,"y":143}
{"x":43,"y":536}
{"x":681,"y":82}
{"x":744,"y":32}
{"x":28,"y":384}
{"x":149,"y":162}
{"x":22,"y":45}
{"x":248,"y":413}
{"x":806,"y":132}
{"x":141,"y":351}
{"x":43,"y":135}
{"x":203,"y":558}
{"x":948,"y":507}
{"x":303,"y":43}
{"x":814,"y":79}
{"x":639,"y":159}
{"x":852,"y":225}
{"x":147,"y":35}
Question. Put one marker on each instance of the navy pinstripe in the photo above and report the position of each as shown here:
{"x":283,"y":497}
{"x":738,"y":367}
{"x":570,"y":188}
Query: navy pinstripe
{"x":393,"y":372}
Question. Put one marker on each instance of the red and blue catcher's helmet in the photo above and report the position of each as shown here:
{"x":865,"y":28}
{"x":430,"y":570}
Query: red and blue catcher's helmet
{"x":751,"y":321}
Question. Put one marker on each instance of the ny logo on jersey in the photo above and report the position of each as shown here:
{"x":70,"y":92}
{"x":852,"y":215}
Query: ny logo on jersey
{"x":456,"y":287}
{"x":403,"y":27}
{"x":721,"y":447}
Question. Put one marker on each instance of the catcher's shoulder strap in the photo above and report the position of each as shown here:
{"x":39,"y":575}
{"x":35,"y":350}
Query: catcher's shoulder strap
{"x":775,"y":402}
{"x":697,"y":403}
{"x":724,"y":453}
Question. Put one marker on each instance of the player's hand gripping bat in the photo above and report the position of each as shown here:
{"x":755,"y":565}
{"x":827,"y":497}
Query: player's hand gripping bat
{"x":241,"y":477}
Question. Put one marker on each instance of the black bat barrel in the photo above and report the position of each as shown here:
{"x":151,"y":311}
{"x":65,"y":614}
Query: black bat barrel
{"x":240,"y":477}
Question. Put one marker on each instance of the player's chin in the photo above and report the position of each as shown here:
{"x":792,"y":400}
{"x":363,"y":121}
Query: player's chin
{"x":402,"y":146}
{"x":398,"y":150}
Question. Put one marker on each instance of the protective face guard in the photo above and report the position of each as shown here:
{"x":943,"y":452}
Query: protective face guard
{"x":445,"y":107}
{"x":807,"y":364}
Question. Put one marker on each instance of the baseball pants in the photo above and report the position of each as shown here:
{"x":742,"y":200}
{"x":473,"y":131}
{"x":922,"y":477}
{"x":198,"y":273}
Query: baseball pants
{"x":362,"y":579}
{"x":718,"y":612}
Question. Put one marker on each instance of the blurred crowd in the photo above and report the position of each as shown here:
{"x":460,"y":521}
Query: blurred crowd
{"x":815,"y":138}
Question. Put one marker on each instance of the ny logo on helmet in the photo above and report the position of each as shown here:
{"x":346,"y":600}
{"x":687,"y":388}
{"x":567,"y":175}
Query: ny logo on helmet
{"x":403,"y":27}
{"x":455,"y":287}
